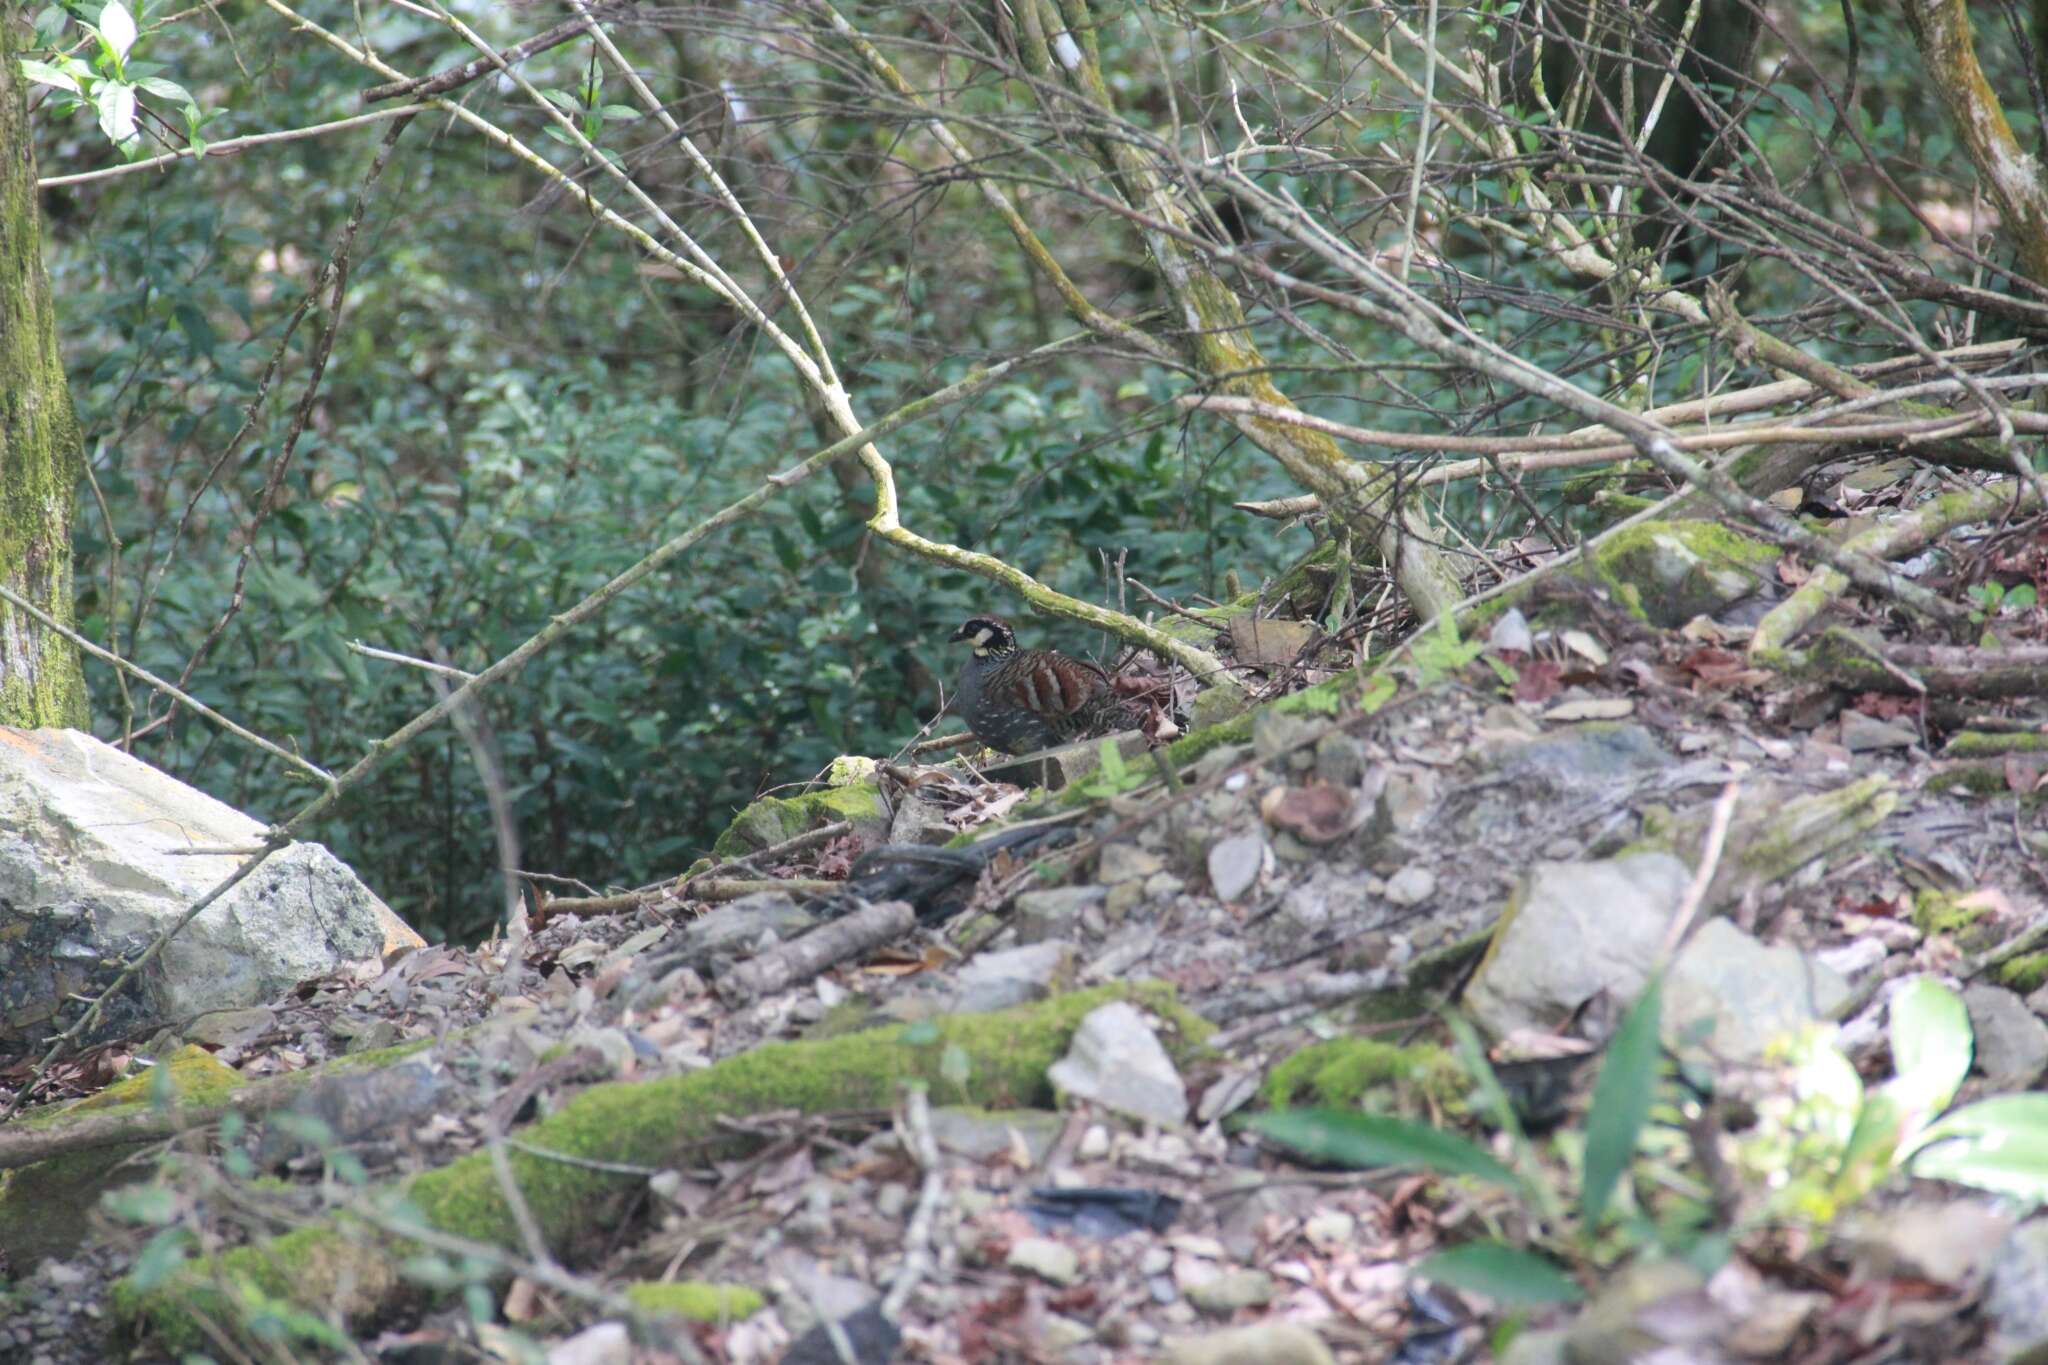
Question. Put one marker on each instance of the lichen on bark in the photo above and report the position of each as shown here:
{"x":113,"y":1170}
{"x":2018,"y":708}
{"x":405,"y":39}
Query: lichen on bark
{"x":41,"y":682}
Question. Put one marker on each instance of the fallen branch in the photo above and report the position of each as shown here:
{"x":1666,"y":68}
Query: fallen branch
{"x":826,"y":946}
{"x":1900,"y":535}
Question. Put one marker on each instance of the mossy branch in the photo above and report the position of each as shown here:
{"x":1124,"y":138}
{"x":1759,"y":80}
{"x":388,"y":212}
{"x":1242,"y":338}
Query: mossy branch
{"x":628,"y":1125}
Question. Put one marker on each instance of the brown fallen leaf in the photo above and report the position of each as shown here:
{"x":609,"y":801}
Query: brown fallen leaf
{"x":1314,"y":815}
{"x":1268,"y":644}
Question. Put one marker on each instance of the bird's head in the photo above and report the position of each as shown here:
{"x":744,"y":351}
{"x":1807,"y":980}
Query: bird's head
{"x":988,"y":634}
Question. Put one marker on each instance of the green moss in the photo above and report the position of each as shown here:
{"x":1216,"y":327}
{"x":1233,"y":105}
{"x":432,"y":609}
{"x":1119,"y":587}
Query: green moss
{"x":1670,"y":571}
{"x":2026,"y":973}
{"x":697,"y":1300}
{"x":1439,"y":968}
{"x":657,"y":1123}
{"x":1941,"y":913}
{"x":1344,"y":1071}
{"x":1983,"y":744}
{"x":1969,"y":779}
{"x":773,"y":819}
{"x":44,"y":1207}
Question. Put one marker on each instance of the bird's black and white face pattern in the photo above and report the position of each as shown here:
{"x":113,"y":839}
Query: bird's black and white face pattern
{"x":990,"y":636}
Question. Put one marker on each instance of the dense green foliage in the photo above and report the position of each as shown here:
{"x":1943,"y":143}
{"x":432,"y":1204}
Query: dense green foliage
{"x":518,"y":406}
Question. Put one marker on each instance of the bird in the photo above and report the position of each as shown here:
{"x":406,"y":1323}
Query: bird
{"x":1021,"y":700}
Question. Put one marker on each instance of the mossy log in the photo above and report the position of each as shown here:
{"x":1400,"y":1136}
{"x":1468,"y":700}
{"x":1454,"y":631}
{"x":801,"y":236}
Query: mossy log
{"x":343,"y":1265}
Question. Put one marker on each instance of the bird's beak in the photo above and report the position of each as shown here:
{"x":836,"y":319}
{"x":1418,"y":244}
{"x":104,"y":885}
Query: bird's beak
{"x":957,"y":636}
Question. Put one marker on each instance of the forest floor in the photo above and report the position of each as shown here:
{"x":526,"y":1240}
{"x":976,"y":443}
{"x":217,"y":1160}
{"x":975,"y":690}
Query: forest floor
{"x":1312,"y":891}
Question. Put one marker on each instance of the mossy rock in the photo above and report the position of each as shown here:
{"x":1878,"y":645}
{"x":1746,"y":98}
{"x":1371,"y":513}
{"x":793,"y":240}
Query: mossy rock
{"x":1346,"y":1071}
{"x":1668,"y":572}
{"x":1943,"y":913}
{"x":43,"y":1207}
{"x":2026,"y":973}
{"x":773,"y":819}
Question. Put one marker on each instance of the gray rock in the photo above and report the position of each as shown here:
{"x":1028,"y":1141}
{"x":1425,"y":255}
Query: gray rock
{"x":229,"y":1028}
{"x":2016,"y":1294}
{"x":1856,"y":956}
{"x":1862,"y":734}
{"x":918,"y":821}
{"x":2012,"y":1042}
{"x":1115,"y":1060}
{"x":1341,"y":759}
{"x":1274,"y":734}
{"x":1054,"y":912}
{"x":1948,"y":1241}
{"x":984,"y":1134}
{"x":1412,"y":885}
{"x":1262,"y":1343}
{"x":1051,"y":1261}
{"x":1127,"y":863}
{"x":1234,"y":865}
{"x":1680,"y":570}
{"x":1014,"y":976}
{"x":1729,"y":997}
{"x":92,"y":868}
{"x":1406,"y":799}
{"x":1576,"y":929}
{"x":1581,"y":758}
{"x":1232,"y":1290}
{"x":606,"y":1343}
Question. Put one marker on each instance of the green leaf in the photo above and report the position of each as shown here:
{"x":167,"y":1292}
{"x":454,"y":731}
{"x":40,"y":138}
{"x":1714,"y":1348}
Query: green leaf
{"x":117,"y":30}
{"x":1999,"y":1145}
{"x":1366,"y":1141}
{"x":1509,"y":1274}
{"x":1621,"y":1100}
{"x":923,"y":1033}
{"x":1113,"y":770}
{"x":164,"y":1254}
{"x":42,"y":73}
{"x":116,"y":102}
{"x":151,"y":1204}
{"x":170,"y":90}
{"x":2021,"y":597}
{"x":1931,"y":1046}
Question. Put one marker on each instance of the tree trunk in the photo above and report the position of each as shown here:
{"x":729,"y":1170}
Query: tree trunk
{"x":40,"y":679}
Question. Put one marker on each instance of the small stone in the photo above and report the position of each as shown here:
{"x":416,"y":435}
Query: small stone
{"x":1116,"y":1061}
{"x":1275,"y":734}
{"x":1855,"y":957}
{"x":1262,"y":1343}
{"x":1051,"y":1261}
{"x":1057,"y":1335}
{"x":1123,"y":898}
{"x":1232,"y":1290}
{"x":1163,"y":886}
{"x":1235,"y":864}
{"x":1412,"y":885}
{"x":1127,"y":863}
{"x":608,"y":1343}
{"x":2016,"y":1296}
{"x":1011,"y":977}
{"x":1330,"y":1231}
{"x":1341,"y":760}
{"x":1155,"y":1261}
{"x":1052,"y":913}
{"x":2012,"y":1042}
{"x":891,"y":1199}
{"x":1094,"y":1144}
{"x":1862,"y":734}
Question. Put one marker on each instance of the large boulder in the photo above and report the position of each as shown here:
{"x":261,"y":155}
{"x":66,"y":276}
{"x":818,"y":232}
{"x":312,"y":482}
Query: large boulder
{"x":94,"y":863}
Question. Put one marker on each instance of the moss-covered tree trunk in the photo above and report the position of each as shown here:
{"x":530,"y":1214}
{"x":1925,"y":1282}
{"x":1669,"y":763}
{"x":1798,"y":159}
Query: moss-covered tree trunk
{"x":2008,"y":172}
{"x":40,"y":680}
